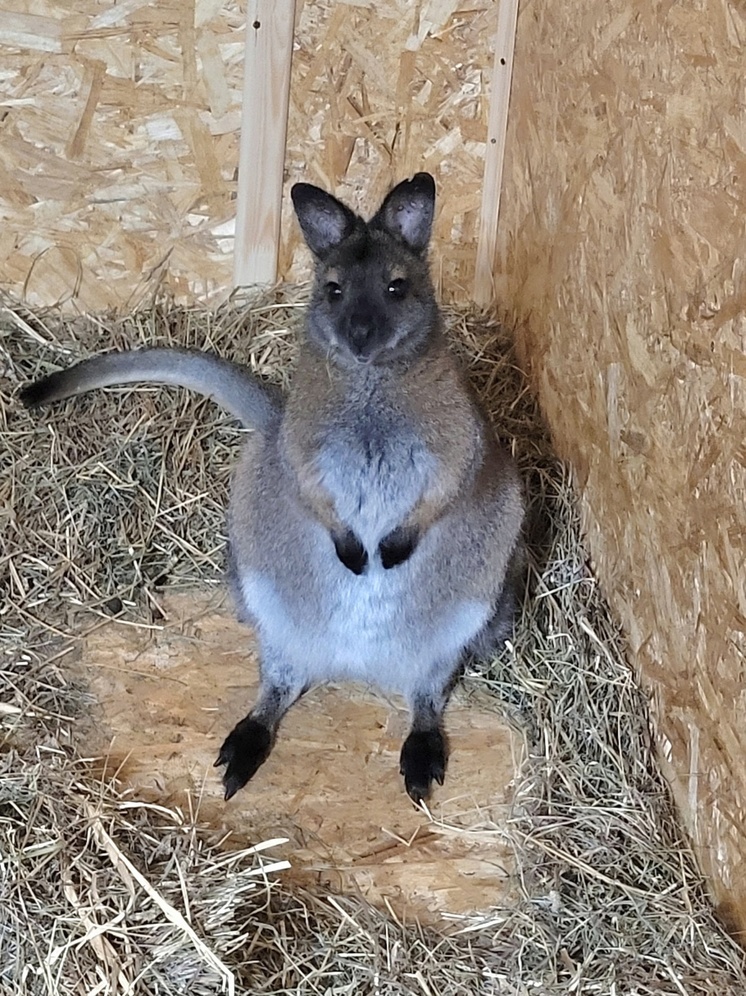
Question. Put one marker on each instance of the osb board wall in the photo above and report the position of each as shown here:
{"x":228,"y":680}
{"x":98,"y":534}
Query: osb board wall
{"x":119,"y":126}
{"x":623,"y":256}
{"x":118,"y":147}
{"x":381,"y":89}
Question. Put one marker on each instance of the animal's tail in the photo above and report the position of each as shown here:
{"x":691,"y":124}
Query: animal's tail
{"x":233,"y":387}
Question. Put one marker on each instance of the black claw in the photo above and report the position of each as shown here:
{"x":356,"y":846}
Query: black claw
{"x":244,"y":750}
{"x":423,"y":760}
{"x":351,"y":552}
{"x":398,"y":546}
{"x":231,"y":785}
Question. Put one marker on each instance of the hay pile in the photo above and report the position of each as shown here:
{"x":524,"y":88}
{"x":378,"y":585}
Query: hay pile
{"x":114,"y":496}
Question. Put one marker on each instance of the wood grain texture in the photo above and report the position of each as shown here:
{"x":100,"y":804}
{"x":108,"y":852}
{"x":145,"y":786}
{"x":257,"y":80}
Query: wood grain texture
{"x":489,"y":215}
{"x":622,"y":257}
{"x":266,"y":91}
{"x":120,"y":137}
{"x":164,"y":701}
{"x":119,"y":127}
{"x":382,"y":89}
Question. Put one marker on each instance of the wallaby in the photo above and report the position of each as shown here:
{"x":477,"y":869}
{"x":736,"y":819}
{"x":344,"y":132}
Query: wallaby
{"x":374,"y":522}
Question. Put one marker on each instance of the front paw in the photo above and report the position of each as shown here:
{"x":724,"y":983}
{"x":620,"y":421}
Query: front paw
{"x":423,"y":760}
{"x":244,"y":750}
{"x":398,"y":546}
{"x":351,"y":551}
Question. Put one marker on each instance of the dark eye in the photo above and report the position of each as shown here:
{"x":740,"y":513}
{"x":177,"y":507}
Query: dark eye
{"x":333,"y":291}
{"x":398,"y":288}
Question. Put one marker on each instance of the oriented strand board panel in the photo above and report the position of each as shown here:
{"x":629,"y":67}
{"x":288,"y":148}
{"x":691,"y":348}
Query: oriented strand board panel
{"x":119,"y":133}
{"x":623,"y":255}
{"x":384,"y":88}
{"x":119,"y":127}
{"x":164,"y":698}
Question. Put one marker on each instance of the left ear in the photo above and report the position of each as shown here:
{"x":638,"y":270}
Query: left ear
{"x":324,"y":221}
{"x":407,"y":211}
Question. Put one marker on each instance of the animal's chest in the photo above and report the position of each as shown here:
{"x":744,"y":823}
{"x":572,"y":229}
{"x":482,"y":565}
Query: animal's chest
{"x":375,"y":468}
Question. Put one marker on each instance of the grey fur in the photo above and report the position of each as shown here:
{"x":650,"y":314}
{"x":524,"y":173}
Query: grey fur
{"x":233,"y":387}
{"x":374,"y":521}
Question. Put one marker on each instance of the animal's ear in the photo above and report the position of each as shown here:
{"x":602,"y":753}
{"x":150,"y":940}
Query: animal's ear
{"x":407,"y":212}
{"x":324,"y":221}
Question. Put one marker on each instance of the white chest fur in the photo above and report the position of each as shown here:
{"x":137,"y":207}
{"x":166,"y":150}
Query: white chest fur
{"x":375,"y":476}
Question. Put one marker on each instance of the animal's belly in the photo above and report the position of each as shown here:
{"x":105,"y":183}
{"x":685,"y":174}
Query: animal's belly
{"x":377,"y":627}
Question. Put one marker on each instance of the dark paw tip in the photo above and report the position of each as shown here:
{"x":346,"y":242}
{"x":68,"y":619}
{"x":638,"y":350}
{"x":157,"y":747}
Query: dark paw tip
{"x":397,"y":547}
{"x":423,"y":760}
{"x":32,"y":395}
{"x":245,"y":749}
{"x":232,"y":785}
{"x":351,"y":552}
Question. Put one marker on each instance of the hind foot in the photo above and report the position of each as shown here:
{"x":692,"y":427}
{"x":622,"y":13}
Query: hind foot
{"x":423,"y":760}
{"x":244,"y":750}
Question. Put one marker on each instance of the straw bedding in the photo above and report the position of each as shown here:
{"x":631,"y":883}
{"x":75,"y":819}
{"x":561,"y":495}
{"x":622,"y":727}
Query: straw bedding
{"x":120,"y":493}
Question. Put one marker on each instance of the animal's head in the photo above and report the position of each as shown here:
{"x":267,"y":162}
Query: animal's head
{"x":373,"y":300}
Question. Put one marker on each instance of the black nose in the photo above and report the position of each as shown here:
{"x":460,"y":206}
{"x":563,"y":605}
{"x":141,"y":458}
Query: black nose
{"x":360,"y":333}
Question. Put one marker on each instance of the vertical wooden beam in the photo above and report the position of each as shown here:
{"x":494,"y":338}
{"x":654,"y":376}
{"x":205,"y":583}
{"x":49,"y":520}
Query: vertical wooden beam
{"x":507,"y":18}
{"x":266,"y":93}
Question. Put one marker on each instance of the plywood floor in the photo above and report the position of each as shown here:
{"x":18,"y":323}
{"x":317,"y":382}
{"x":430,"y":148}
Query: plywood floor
{"x":164,"y":699}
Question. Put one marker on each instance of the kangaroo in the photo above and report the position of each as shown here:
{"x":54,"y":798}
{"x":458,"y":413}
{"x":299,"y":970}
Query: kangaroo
{"x":375,"y":523}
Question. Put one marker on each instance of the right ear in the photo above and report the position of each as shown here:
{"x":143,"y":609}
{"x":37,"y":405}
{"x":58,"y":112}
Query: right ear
{"x":407,"y":212}
{"x":324,"y":221}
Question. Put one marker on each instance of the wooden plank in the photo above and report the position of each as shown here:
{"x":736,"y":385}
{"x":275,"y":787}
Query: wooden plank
{"x":484,"y":288}
{"x":266,"y":92}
